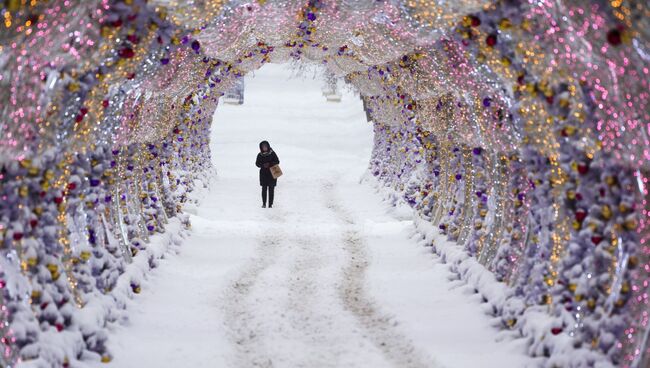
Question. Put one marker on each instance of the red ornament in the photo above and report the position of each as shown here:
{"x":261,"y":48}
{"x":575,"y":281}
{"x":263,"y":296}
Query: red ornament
{"x":491,"y":40}
{"x":578,"y":196}
{"x":72,"y":186}
{"x":33,"y":222}
{"x":476,"y":21}
{"x":126,"y":53}
{"x":17,"y":236}
{"x":583,"y":168}
{"x":521,"y":79}
{"x":556,"y":330}
{"x":580,"y":215}
{"x":59,"y":327}
{"x":596,"y":239}
{"x":105,"y":103}
{"x":133,"y":39}
{"x":58,"y":200}
{"x":614,"y":37}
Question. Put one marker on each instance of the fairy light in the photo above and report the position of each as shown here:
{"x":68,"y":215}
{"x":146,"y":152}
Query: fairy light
{"x":62,"y":218}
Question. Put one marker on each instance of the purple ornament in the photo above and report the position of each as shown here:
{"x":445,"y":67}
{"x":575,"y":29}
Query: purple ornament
{"x":477,"y":150}
{"x":487,"y":102}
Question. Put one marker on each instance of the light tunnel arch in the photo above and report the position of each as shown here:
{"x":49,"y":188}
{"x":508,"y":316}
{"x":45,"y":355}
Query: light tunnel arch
{"x":514,"y":127}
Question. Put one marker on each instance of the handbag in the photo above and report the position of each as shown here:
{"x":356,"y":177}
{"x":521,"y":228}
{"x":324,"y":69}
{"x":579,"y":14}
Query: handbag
{"x":276,"y":172}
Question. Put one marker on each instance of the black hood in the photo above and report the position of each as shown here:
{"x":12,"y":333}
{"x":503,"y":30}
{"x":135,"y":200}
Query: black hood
{"x":267,"y":144}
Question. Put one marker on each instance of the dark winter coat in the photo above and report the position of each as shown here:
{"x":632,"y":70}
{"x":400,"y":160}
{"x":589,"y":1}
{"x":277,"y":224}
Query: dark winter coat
{"x":271,"y":159}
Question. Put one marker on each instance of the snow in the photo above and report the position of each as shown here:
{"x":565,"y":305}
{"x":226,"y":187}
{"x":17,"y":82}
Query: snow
{"x":332,"y":276}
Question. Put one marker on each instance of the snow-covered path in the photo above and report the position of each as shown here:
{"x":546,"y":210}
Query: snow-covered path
{"x":330,"y":277}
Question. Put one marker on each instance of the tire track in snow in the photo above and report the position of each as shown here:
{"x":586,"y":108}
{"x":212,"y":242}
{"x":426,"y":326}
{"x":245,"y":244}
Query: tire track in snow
{"x":329,"y":336}
{"x":379,"y":327}
{"x":284,"y":310}
{"x":334,"y":204}
{"x":239,"y":317}
{"x":315,"y":326}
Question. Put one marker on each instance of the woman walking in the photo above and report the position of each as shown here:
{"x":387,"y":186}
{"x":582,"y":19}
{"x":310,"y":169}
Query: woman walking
{"x":265,"y":160}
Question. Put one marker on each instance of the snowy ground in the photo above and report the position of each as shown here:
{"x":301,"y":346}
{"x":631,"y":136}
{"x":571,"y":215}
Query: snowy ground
{"x":330,"y":277}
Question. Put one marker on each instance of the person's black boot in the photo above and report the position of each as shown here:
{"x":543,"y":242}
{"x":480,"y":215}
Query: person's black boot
{"x":264,"y":205}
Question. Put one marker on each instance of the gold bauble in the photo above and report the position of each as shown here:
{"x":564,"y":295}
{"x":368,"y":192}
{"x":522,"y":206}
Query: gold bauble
{"x":606,"y":212}
{"x":630,"y":224}
{"x":625,"y":288}
{"x":85,"y":255}
{"x":33,"y":171}
{"x":591,"y":304}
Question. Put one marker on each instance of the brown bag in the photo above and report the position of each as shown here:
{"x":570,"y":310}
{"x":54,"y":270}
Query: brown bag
{"x":276,"y":172}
